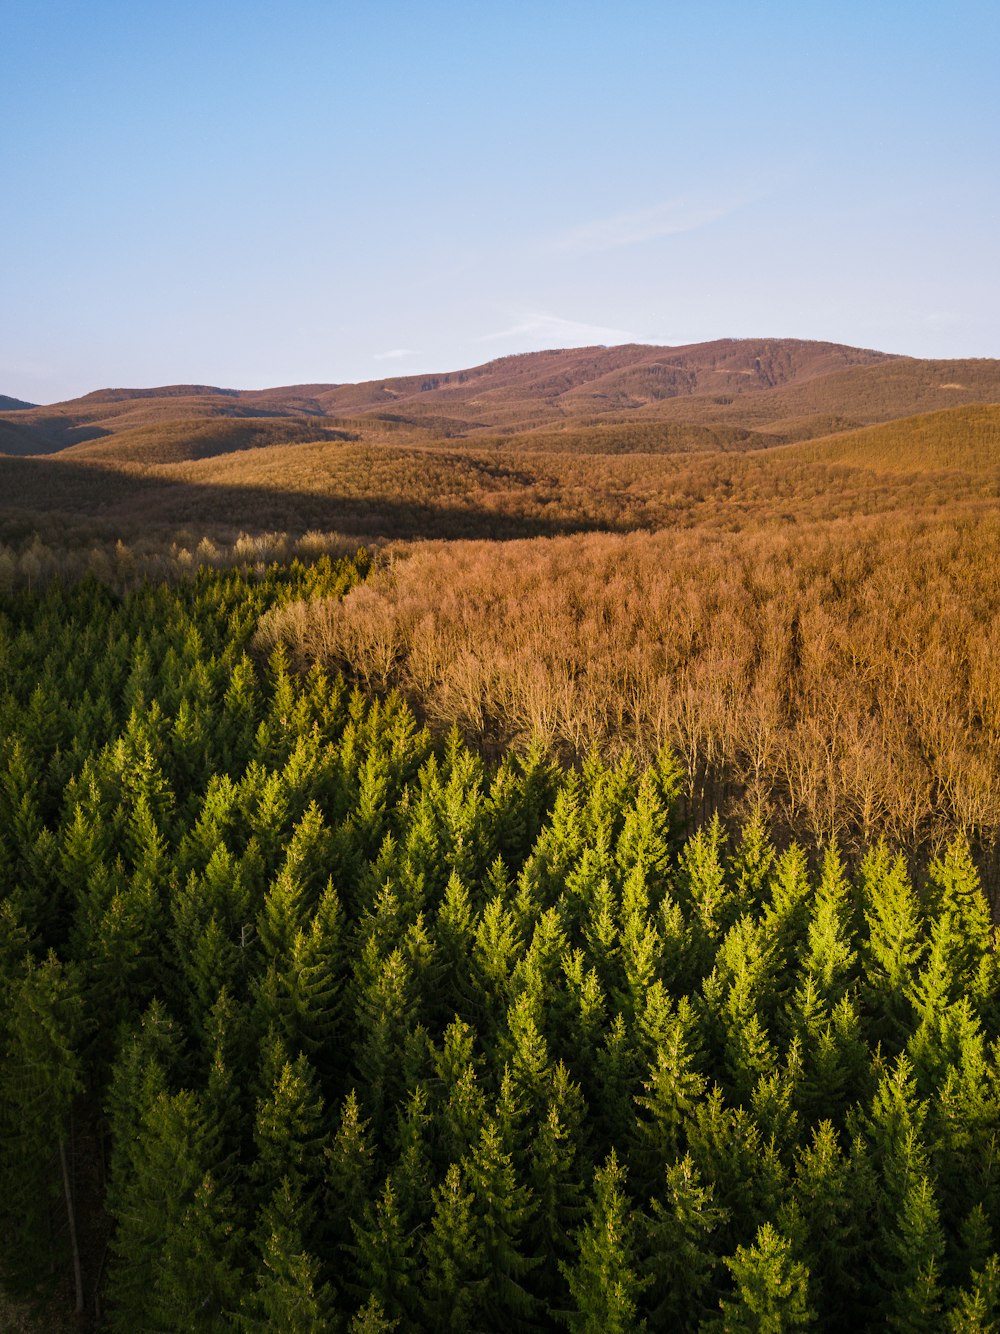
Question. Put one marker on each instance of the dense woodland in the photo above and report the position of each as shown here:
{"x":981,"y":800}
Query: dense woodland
{"x":845,"y":676}
{"x":590,"y":929}
{"x":407,"y":486}
{"x":314,"y":1020}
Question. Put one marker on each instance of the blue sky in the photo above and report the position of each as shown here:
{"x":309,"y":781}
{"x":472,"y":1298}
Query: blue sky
{"x":254,"y":194}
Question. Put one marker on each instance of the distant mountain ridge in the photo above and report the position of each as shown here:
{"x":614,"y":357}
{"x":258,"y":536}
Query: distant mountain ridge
{"x":744,"y":392}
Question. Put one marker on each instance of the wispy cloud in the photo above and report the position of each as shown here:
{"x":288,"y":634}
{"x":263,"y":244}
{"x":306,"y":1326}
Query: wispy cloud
{"x":624,"y":229}
{"x":394,"y":354}
{"x":936,"y":318}
{"x":553,"y":331}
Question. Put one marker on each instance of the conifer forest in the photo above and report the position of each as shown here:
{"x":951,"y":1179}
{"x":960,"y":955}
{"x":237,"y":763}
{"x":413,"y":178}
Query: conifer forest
{"x":499,"y":668}
{"x":314,"y":1019}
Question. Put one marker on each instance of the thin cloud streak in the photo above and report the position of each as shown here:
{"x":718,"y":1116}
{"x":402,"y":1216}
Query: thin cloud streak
{"x":394,"y":354}
{"x":648,"y":224}
{"x":552,"y":330}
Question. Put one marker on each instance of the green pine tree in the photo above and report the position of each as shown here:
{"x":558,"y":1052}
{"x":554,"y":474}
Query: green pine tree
{"x":604,"y":1281}
{"x":771,"y":1288}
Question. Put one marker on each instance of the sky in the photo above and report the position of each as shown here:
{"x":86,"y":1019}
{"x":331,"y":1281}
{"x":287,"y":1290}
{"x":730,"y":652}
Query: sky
{"x":251,"y":194}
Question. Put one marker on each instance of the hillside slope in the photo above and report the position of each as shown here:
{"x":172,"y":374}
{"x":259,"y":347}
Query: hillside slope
{"x":902,"y":387}
{"x":398,"y":488}
{"x":965,"y":439}
{"x":585,"y":438}
{"x":508,"y":394}
{"x":541,"y":386}
{"x":181,"y":441}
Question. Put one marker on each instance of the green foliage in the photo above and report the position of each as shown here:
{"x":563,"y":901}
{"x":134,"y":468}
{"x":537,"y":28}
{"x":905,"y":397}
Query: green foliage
{"x":977,"y":1308}
{"x":771,"y":1288}
{"x":604,"y":1285}
{"x":454,"y":1287}
{"x":341,"y":1027}
{"x":41,"y":1075}
{"x":682,"y":1259}
{"x":288,"y":1294}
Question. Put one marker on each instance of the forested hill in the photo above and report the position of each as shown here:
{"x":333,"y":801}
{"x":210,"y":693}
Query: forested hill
{"x":495,"y":394}
{"x":777,"y":389}
{"x":311,"y":1022}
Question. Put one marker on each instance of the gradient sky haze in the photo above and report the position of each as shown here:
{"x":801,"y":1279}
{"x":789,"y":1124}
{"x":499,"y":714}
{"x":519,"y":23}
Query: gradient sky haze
{"x":258,"y":194}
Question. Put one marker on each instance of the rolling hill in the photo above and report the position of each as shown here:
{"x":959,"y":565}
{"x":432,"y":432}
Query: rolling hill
{"x":586,"y":439}
{"x":785,"y":389}
{"x":965,"y":439}
{"x":398,"y":488}
{"x":180,"y":441}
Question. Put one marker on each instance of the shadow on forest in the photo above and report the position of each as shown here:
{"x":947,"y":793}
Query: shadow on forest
{"x":47,"y":489}
{"x":46,"y":435}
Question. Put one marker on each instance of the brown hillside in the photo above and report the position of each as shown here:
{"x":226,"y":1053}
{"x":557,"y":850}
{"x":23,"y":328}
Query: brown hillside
{"x":731,"y":394}
{"x":394,"y":488}
{"x":542,"y":386}
{"x":902,"y":387}
{"x":634,"y":437}
{"x":509,"y":394}
{"x":16,"y":438}
{"x":108,"y":412}
{"x":966,"y":438}
{"x":177,"y":442}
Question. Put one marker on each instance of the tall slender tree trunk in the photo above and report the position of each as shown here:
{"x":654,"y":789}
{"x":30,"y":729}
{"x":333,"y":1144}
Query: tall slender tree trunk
{"x":71,"y":1219}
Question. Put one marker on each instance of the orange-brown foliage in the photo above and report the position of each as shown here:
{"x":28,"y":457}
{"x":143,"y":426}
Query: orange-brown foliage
{"x":847,"y":674}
